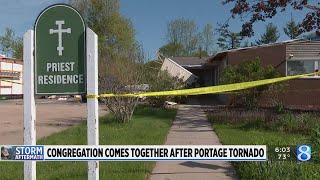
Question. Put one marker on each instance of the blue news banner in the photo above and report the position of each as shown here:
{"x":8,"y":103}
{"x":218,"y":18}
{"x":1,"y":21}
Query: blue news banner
{"x":22,"y":153}
{"x":300,"y":153}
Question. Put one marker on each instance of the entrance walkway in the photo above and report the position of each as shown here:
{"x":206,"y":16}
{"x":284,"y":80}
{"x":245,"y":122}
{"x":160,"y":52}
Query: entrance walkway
{"x":191,"y":127}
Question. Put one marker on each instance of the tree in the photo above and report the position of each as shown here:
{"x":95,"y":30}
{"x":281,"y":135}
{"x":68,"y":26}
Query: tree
{"x":184,"y":39}
{"x":171,"y":49}
{"x":200,"y":53}
{"x":228,"y":39}
{"x":271,"y":35}
{"x":120,"y":56}
{"x":246,"y":44}
{"x":11,"y":44}
{"x":183,"y":32}
{"x":310,"y":35}
{"x":207,"y":39}
{"x":6,"y":42}
{"x":18,"y":48}
{"x":116,"y":33}
{"x":292,"y":29}
{"x":255,"y":11}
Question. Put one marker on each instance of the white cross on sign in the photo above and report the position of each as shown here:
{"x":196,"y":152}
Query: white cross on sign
{"x":60,"y":31}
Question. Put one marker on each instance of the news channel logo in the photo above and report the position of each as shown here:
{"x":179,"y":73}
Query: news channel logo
{"x":304,"y":153}
{"x":22,"y":153}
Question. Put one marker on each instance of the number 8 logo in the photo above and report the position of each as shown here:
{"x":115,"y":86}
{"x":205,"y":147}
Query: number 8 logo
{"x":304,"y":153}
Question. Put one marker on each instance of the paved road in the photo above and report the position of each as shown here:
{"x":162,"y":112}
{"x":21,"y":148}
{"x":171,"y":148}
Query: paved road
{"x":191,"y":127}
{"x":52,"y":116}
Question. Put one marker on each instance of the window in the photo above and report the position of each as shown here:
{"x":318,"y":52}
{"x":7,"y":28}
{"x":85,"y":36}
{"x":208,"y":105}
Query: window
{"x":296,"y":67}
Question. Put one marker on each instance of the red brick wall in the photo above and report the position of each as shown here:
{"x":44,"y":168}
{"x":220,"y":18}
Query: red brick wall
{"x":272,"y":55}
{"x":303,"y":91}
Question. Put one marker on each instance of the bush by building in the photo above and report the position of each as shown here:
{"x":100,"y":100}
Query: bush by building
{"x":249,"y":70}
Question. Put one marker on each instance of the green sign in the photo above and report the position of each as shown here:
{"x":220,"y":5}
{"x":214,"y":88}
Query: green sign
{"x":60,"y":51}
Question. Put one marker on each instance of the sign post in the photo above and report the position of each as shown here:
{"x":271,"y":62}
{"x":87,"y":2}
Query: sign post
{"x":29,"y":107}
{"x":92,"y":103}
{"x":55,"y":61}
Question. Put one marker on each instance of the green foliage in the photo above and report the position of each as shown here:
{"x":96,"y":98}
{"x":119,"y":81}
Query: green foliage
{"x":248,"y":71}
{"x":11,"y":45}
{"x":149,"y":126}
{"x":274,"y":93}
{"x":277,"y":169}
{"x":315,"y":141}
{"x":289,"y":122}
{"x":310,"y":35}
{"x":120,"y":56}
{"x":247,"y":44}
{"x":6,"y":41}
{"x":116,"y":33}
{"x":279,"y":107}
{"x":18,"y":48}
{"x":207,"y":40}
{"x":228,"y":39}
{"x":271,"y":35}
{"x":171,"y":49}
{"x":163,"y":81}
{"x":150,"y":69}
{"x":271,"y":169}
{"x":292,"y":29}
{"x":121,"y":76}
{"x":184,"y":32}
{"x":184,"y":39}
{"x":200,"y":53}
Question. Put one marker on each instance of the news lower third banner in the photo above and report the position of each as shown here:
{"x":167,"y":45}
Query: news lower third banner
{"x":135,"y":153}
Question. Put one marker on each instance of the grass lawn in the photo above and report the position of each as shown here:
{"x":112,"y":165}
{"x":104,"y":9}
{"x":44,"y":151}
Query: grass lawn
{"x":149,"y":126}
{"x":242,"y":135}
{"x":237,"y":134}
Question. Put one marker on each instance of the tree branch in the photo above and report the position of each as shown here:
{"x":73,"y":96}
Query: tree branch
{"x":312,"y":7}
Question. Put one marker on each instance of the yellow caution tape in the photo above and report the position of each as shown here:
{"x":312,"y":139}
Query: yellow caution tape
{"x":199,"y":91}
{"x":10,"y":81}
{"x":206,"y":90}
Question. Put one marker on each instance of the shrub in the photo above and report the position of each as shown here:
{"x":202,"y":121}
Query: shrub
{"x":278,"y":106}
{"x":163,"y":81}
{"x":248,"y":70}
{"x":120,"y":76}
{"x":274,"y":95}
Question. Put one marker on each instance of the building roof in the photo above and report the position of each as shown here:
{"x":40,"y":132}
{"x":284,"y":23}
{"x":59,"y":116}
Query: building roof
{"x":10,"y":60}
{"x":221,"y":54}
{"x":189,"y":61}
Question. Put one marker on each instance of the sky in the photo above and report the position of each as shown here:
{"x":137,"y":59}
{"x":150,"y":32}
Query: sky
{"x":149,"y":17}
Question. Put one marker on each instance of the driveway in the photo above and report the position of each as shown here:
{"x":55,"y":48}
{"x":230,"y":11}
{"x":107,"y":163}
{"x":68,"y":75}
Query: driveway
{"x":52,"y":116}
